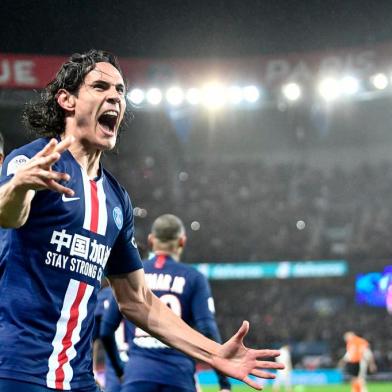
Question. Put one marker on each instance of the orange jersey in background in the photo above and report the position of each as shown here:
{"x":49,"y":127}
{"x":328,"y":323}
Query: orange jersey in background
{"x":356,"y":347}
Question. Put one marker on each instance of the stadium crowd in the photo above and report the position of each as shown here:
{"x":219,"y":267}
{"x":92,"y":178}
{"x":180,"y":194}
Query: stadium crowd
{"x":243,"y":211}
{"x":252,"y":212}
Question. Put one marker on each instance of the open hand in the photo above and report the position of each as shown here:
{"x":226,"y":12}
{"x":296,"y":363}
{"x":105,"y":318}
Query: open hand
{"x":37,"y":174}
{"x":237,"y":361}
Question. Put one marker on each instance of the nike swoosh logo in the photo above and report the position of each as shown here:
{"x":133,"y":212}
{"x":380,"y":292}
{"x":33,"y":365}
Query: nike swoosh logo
{"x":66,"y":199}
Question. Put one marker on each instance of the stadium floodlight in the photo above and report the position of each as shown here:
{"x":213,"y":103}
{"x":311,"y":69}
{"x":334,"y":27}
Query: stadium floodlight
{"x":154,"y":96}
{"x":292,"y":91}
{"x":136,"y":96}
{"x":214,"y":96}
{"x":349,"y":85}
{"x":235,"y":94}
{"x":193,"y":96}
{"x":379,"y":81}
{"x":143,"y":213}
{"x":195,"y":225}
{"x":140,"y":212}
{"x":329,"y":89}
{"x":251,"y":94}
{"x":175,"y":96}
{"x":300,"y":225}
{"x":183,"y":176}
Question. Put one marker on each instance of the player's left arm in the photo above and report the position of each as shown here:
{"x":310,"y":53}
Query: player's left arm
{"x":139,"y":305}
{"x":111,"y":319}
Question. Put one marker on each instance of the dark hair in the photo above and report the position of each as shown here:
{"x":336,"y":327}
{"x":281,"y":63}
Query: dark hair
{"x":46,"y":117}
{"x":1,"y":144}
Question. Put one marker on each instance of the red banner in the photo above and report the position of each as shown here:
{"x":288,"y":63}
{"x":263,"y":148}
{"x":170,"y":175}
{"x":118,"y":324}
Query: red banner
{"x":33,"y":71}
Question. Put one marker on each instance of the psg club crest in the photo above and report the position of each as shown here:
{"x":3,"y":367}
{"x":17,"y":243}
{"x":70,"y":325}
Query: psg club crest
{"x":118,"y":217}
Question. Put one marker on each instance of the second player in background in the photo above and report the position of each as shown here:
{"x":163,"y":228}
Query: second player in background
{"x":153,"y":366}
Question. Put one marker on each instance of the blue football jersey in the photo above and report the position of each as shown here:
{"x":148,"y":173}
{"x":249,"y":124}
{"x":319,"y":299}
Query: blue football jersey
{"x":51,"y":269}
{"x":187,"y":292}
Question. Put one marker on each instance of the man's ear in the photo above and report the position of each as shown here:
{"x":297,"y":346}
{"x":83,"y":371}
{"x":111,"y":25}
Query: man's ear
{"x":182,"y":241}
{"x":1,"y":158}
{"x":150,"y":241}
{"x":66,"y":100}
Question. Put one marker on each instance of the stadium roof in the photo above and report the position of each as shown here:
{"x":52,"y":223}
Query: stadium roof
{"x":188,"y":28}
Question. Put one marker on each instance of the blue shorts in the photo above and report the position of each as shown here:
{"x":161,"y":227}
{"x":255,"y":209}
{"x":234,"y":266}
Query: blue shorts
{"x":7,"y":385}
{"x":144,"y":386}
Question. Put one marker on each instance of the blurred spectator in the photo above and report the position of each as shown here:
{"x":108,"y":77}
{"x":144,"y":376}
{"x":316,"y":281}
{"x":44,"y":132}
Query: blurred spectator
{"x":1,"y":150}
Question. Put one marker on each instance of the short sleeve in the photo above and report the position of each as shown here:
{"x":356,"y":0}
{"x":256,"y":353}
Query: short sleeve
{"x":124,"y":257}
{"x":12,"y":162}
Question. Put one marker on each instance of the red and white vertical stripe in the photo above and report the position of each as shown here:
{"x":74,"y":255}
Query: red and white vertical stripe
{"x":95,"y":214}
{"x":73,"y":312}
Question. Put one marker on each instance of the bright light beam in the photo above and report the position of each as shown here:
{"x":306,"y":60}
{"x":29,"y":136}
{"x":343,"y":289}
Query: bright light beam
{"x":329,"y":89}
{"x":193,"y":96}
{"x":251,"y":94}
{"x":292,"y":91}
{"x":214,"y":96}
{"x":349,"y":85}
{"x":235,"y":95}
{"x":175,"y":96}
{"x":380,"y":81}
{"x":136,"y":96}
{"x":154,"y":96}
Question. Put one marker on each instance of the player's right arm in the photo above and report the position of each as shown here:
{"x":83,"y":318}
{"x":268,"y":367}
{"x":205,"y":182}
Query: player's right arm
{"x":18,"y":187}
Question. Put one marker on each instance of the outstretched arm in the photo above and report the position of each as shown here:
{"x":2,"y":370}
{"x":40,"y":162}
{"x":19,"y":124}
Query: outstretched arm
{"x":139,"y":305}
{"x":37,"y":174}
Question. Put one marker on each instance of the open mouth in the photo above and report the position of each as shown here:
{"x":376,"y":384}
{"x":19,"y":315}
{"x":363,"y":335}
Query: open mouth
{"x":108,"y":121}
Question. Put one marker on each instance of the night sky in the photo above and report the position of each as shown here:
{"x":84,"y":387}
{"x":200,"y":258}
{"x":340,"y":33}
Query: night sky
{"x":190,"y":28}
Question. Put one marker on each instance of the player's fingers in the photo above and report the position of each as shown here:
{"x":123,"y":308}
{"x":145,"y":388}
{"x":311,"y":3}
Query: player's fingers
{"x":64,"y":144}
{"x":52,"y":175}
{"x":56,"y":187}
{"x":241,"y":333}
{"x":266,"y":353}
{"x":252,"y":383}
{"x":47,"y":161}
{"x":47,"y":149}
{"x":262,"y":374}
{"x":269,"y":365}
